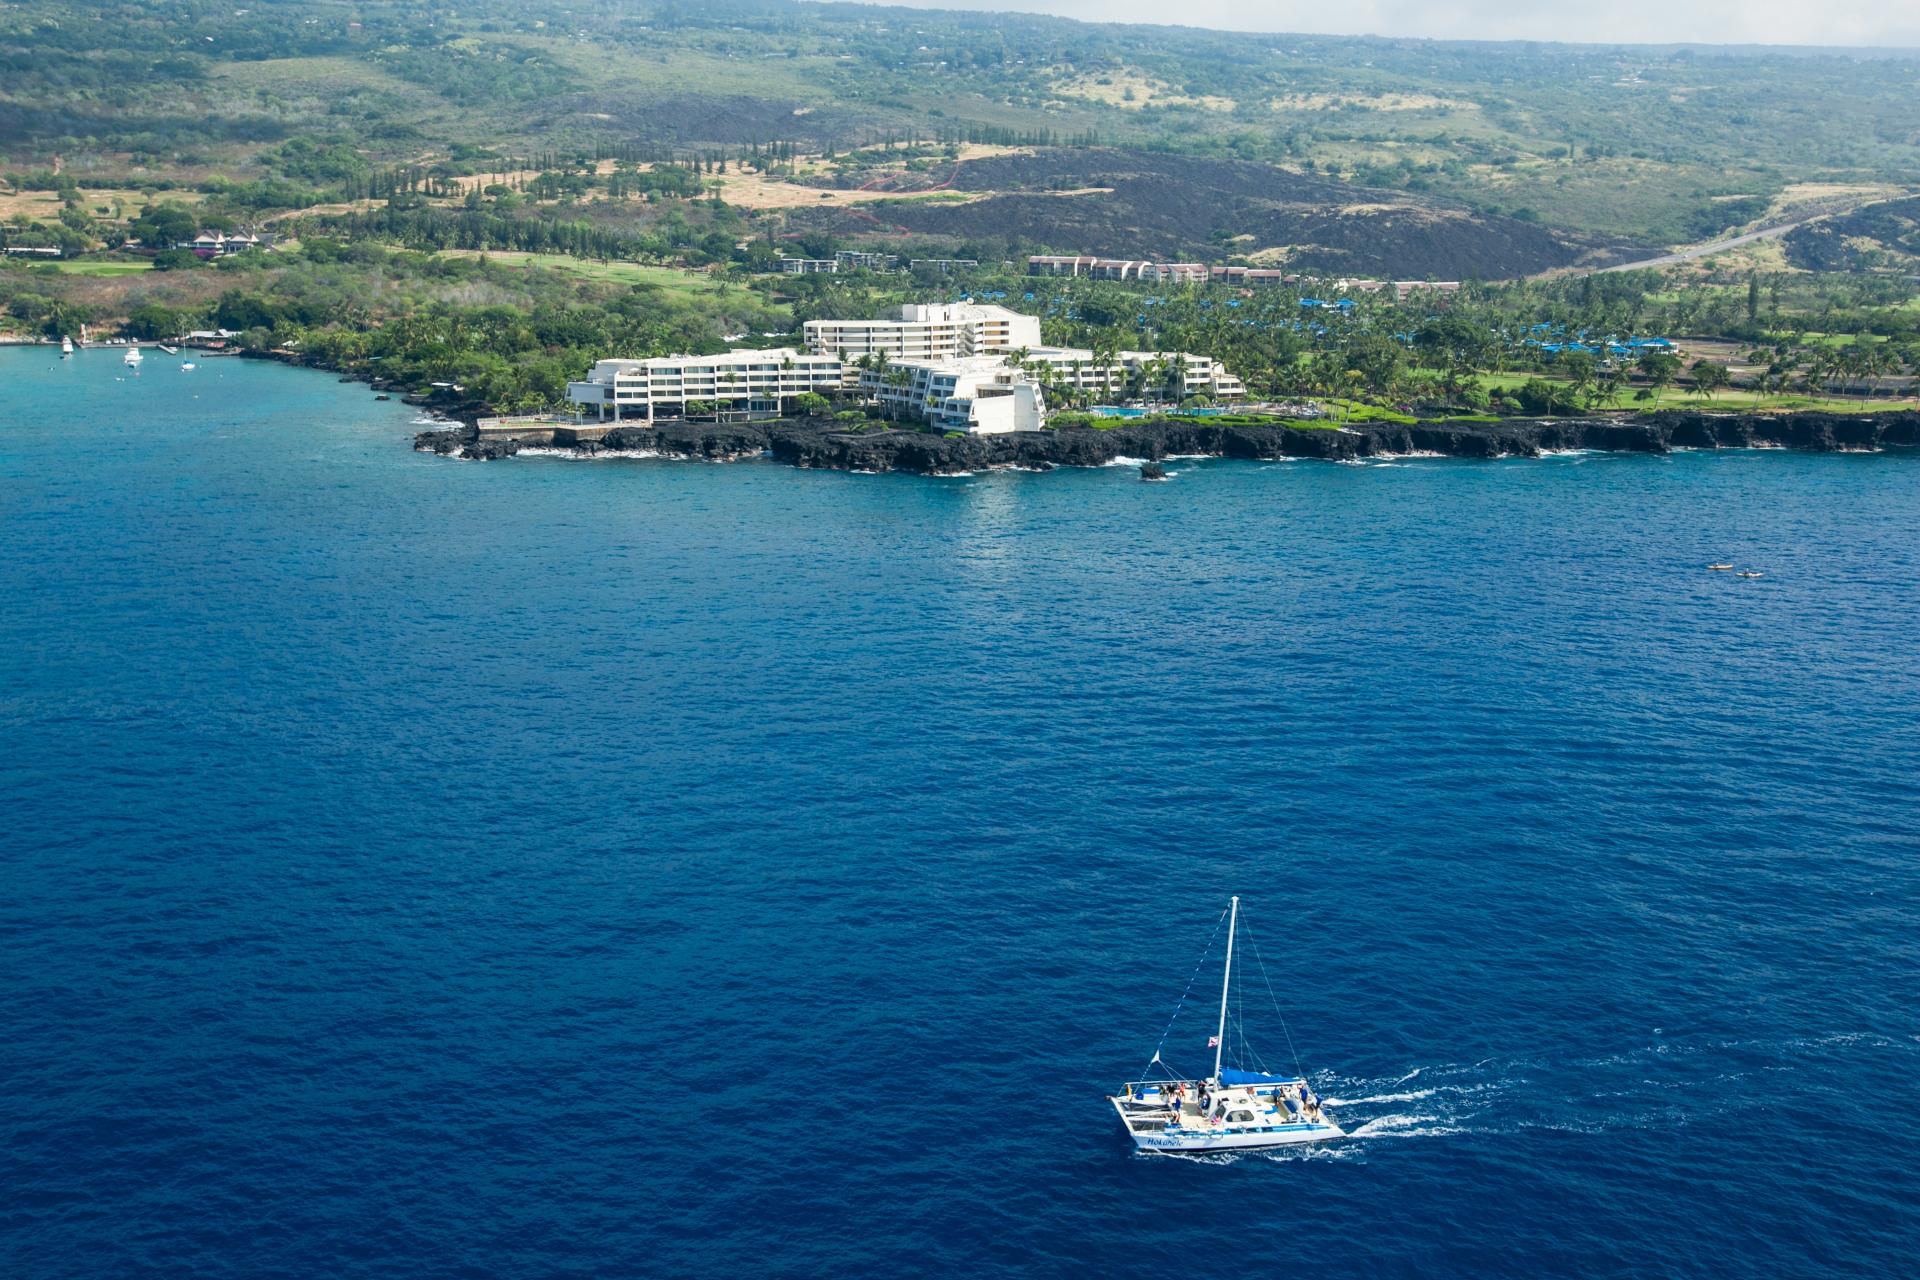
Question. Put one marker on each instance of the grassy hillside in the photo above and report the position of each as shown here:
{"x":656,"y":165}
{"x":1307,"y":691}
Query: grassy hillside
{"x":1655,"y":144}
{"x":494,"y":195}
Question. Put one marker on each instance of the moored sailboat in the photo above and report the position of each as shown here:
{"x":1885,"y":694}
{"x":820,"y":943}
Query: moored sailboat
{"x":1234,"y":1109}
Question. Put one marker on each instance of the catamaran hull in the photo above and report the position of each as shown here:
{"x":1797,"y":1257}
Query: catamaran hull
{"x":1287,"y":1135}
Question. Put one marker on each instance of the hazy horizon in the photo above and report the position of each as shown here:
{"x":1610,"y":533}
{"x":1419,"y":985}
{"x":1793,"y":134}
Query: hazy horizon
{"x":1871,"y":24}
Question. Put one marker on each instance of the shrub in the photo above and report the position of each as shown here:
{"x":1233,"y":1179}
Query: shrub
{"x":176,"y":259}
{"x":1537,"y":395}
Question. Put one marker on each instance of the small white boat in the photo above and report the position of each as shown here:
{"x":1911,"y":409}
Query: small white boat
{"x":1749,"y":573}
{"x":66,"y":347}
{"x":133,"y":356}
{"x":1231,"y":1110}
{"x":1719,"y":568}
{"x":186,"y":366}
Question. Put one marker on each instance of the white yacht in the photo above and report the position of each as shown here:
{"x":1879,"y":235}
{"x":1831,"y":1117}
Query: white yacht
{"x":133,"y":356}
{"x":1233,"y":1109}
{"x":66,"y":346}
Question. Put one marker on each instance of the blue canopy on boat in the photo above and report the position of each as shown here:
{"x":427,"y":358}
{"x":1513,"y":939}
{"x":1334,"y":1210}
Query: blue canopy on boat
{"x":1231,"y":1075}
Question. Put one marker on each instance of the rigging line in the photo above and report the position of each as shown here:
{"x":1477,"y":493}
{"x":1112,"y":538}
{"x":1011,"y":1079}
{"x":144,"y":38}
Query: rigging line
{"x":1247,"y":1048}
{"x":1182,"y":1002}
{"x":1257,"y":959}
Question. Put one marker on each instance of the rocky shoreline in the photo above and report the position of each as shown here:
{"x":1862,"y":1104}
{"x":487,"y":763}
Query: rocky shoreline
{"x":439,"y":402}
{"x":824,"y":444}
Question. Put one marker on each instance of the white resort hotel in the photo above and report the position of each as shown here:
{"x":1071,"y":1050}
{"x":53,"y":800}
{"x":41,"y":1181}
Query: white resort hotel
{"x":956,"y":366}
{"x":757,"y":381}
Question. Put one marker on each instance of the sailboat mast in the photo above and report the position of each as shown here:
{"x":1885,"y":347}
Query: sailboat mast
{"x":1226,"y":979}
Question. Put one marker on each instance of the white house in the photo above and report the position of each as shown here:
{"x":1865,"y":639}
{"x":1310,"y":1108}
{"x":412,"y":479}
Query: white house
{"x":219,"y":244}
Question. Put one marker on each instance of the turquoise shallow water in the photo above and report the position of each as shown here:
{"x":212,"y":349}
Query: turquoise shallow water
{"x":560,"y":868}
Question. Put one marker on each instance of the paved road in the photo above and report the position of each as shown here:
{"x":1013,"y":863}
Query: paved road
{"x":1812,"y":214}
{"x":1703,"y":250}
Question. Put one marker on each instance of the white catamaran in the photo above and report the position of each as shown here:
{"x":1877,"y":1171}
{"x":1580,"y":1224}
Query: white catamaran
{"x":1231,"y":1110}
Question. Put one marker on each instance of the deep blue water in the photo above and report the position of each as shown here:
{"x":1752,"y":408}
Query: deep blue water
{"x":552,"y":868}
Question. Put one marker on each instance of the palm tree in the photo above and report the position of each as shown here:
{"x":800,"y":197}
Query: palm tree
{"x":1709,"y":377}
{"x":1607,"y":388}
{"x":898,"y":380}
{"x":1874,"y":362}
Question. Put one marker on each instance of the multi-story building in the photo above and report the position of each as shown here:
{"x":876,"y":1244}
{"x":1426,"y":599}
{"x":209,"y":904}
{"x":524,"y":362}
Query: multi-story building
{"x":981,"y":395}
{"x":957,"y":366}
{"x":1401,"y":289}
{"x":857,"y":260}
{"x":809,"y":266}
{"x":945,"y":266}
{"x":1252,"y":276}
{"x":1172,"y":374}
{"x":754,"y":381}
{"x":1118,"y":269}
{"x":940,"y":331}
{"x":988,"y":394}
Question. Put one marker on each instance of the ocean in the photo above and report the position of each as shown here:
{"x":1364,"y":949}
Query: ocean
{"x":553,"y":867}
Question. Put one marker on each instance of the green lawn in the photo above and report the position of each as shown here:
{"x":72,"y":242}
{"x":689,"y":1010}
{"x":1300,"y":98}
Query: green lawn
{"x":92,"y":267}
{"x":673,"y":279}
{"x":1680,"y":397}
{"x":1832,"y":339}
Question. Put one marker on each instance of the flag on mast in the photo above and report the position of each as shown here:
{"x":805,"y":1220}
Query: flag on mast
{"x":1213,"y":1042}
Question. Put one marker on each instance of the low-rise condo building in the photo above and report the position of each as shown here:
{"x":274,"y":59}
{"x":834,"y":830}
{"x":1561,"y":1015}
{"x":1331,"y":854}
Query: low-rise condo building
{"x":940,"y":331}
{"x":754,"y":381}
{"x":810,"y":266}
{"x":1252,"y":276}
{"x":1151,"y":272}
{"x":1047,"y":264}
{"x":1171,"y":375}
{"x":859,"y":260}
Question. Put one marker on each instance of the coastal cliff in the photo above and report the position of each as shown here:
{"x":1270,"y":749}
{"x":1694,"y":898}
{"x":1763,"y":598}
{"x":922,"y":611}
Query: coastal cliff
{"x":807,"y":443}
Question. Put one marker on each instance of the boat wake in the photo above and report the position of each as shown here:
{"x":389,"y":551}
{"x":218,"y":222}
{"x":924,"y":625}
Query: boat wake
{"x":1667,"y":1081}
